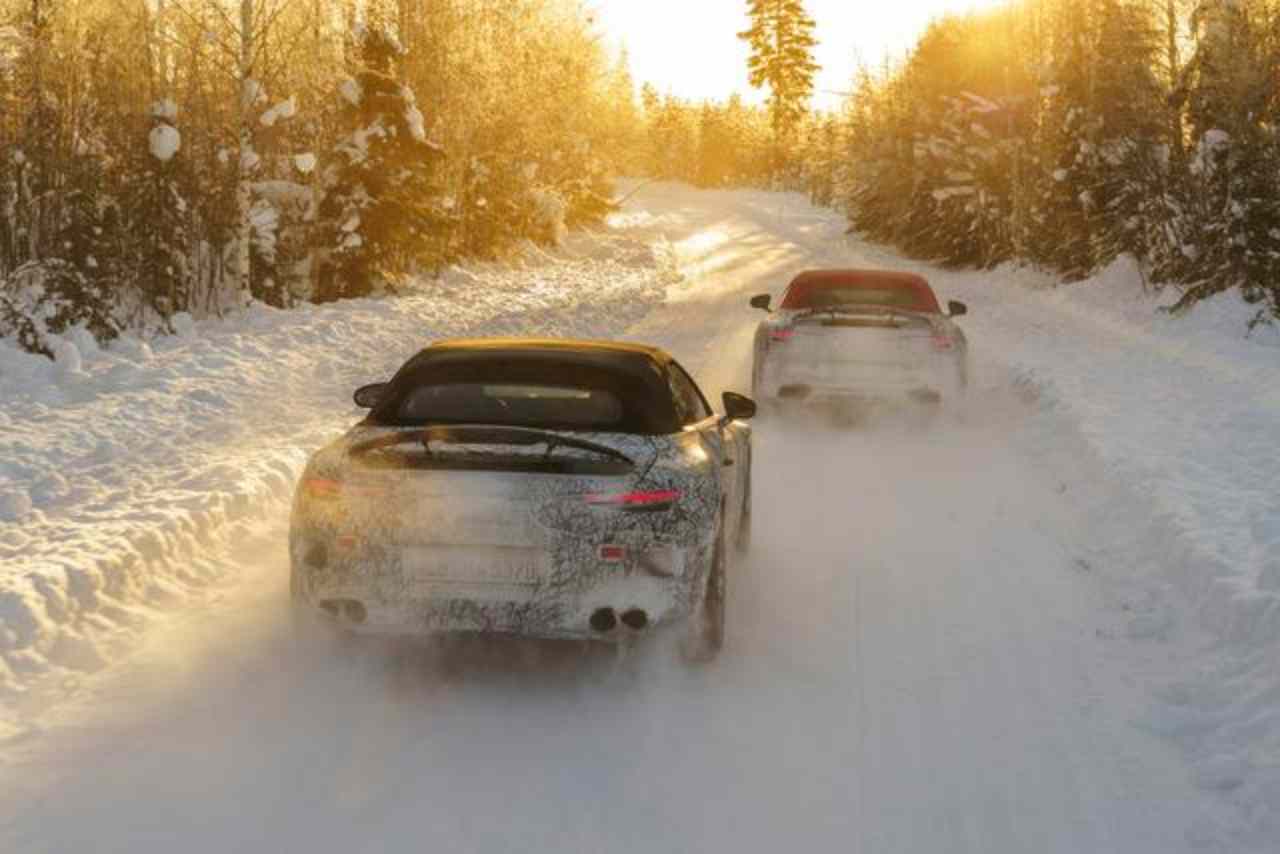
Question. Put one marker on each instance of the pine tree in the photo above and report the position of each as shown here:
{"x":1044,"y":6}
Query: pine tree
{"x":782,"y":43}
{"x":154,"y":211}
{"x":381,"y":205}
{"x":716,"y":146}
{"x":623,"y":125}
{"x":1231,"y":235}
{"x":526,"y":90}
{"x":1099,"y":126}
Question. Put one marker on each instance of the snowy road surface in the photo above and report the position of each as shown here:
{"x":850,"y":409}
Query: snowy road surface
{"x":945,"y":640}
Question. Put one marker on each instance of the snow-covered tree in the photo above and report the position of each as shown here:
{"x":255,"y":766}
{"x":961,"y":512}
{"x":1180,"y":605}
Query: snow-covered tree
{"x":526,"y":89}
{"x":1228,"y":231}
{"x":44,"y":298}
{"x":1097,"y":136}
{"x":154,"y":212}
{"x":382,"y":205}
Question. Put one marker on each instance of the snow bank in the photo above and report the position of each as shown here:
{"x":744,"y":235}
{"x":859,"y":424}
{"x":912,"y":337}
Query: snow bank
{"x":1180,"y":416}
{"x":124,"y":470}
{"x":1185,"y":409}
{"x":1184,"y":414}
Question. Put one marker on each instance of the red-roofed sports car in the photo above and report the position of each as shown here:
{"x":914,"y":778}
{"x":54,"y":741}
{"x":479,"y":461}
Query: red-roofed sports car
{"x":855,"y":336}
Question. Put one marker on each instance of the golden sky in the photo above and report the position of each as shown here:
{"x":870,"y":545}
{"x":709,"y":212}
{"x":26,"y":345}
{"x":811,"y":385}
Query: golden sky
{"x":689,"y":47}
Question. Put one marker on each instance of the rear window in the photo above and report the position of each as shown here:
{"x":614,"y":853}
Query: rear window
{"x":513,"y":405}
{"x":837,"y":297}
{"x":549,"y":390}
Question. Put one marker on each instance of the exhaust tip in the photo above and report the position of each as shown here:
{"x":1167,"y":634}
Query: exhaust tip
{"x":926,"y":396}
{"x":355,"y":611}
{"x":636,"y":620}
{"x":604,"y":620}
{"x":347,"y":609}
{"x":317,"y":556}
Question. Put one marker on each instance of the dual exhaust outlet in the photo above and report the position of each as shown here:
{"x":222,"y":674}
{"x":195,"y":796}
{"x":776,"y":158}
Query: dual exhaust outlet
{"x":606,"y":620}
{"x":350,"y":610}
{"x":603,"y":621}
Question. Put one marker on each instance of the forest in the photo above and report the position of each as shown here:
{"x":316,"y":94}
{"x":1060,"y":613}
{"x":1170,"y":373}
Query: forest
{"x":160,"y":157}
{"x":1063,"y":133}
{"x":1056,"y":133}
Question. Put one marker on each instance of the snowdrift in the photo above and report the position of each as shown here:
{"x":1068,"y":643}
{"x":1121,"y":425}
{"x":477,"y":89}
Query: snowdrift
{"x":123,"y":471}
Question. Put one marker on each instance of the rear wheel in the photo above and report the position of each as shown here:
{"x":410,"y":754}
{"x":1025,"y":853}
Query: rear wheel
{"x":757,"y":385}
{"x":310,"y":627}
{"x":743,"y":541}
{"x":705,"y":636}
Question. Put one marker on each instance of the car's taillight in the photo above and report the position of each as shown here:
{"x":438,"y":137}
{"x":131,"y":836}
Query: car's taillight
{"x":654,"y":500}
{"x":613,"y":554}
{"x":322,"y":489}
{"x":328,"y":489}
{"x":781,"y":334}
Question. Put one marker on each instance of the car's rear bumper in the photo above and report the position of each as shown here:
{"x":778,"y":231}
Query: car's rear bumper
{"x":822,"y":384}
{"x":378,"y":599}
{"x":810,"y":395}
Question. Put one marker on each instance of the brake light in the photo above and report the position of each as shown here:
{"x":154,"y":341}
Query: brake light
{"x":781,"y":334}
{"x":322,"y":489}
{"x":655,"y":500}
{"x":613,"y":554}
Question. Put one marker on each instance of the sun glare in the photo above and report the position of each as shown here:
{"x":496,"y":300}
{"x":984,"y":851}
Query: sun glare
{"x":689,"y":47}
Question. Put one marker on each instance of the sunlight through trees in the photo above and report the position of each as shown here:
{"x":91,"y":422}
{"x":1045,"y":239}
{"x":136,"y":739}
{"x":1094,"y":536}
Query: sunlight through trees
{"x":165,"y":156}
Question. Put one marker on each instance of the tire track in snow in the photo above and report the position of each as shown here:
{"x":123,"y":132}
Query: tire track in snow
{"x":905,"y":647}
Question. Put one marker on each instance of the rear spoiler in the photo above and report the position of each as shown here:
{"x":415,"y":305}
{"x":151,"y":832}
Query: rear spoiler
{"x":482,"y":434}
{"x":487,"y":434}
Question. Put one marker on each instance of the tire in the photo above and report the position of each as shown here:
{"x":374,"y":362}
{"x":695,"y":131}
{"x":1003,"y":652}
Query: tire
{"x":705,"y":637}
{"x":307,"y":632}
{"x":757,"y":374}
{"x":309,"y":628}
{"x":961,"y":378}
{"x":743,"y":541}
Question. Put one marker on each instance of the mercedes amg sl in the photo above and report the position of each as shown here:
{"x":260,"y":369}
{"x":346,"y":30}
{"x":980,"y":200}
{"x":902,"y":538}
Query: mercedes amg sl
{"x":856,"y":337}
{"x":535,"y":488}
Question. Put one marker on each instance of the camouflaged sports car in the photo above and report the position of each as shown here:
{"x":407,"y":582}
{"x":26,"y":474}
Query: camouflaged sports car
{"x":853,"y":337}
{"x":550,"y":489}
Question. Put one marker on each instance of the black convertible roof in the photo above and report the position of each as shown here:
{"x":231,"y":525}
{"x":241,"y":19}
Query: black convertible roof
{"x":564,"y":344}
{"x":637,"y":374}
{"x":622,"y":357}
{"x":620,"y":349}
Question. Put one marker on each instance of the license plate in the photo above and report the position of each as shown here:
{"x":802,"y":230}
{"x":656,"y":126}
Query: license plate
{"x":443,"y":565}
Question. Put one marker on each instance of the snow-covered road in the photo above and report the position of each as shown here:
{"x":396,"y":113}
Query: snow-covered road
{"x":945,"y":640}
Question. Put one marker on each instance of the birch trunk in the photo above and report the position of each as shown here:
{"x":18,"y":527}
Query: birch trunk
{"x":244,"y":197}
{"x":161,"y":49}
{"x":1175,"y":73}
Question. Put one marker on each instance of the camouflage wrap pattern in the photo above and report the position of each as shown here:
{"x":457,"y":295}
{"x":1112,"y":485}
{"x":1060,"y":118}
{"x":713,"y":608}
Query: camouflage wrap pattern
{"x":513,"y":552}
{"x":786,"y":352}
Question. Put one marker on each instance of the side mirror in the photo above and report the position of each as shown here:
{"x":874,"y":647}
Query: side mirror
{"x":738,"y":407}
{"x":367,"y":396}
{"x":762,"y":302}
{"x":957,"y":309}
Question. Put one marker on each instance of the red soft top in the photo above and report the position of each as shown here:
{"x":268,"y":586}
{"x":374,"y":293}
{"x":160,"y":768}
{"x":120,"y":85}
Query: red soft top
{"x":804,"y":285}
